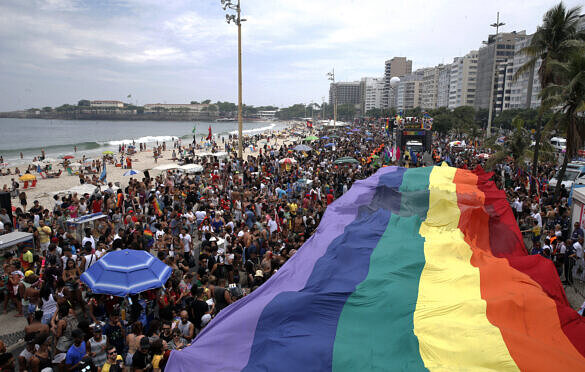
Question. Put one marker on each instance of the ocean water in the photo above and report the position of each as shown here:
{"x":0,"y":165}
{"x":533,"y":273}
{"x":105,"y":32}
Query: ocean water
{"x":58,"y":137}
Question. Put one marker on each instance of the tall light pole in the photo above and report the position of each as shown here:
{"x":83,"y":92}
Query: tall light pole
{"x":491,"y":104}
{"x":227,"y":4}
{"x":331,"y":77}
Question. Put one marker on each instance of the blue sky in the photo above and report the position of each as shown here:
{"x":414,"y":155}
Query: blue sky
{"x":174,"y":51}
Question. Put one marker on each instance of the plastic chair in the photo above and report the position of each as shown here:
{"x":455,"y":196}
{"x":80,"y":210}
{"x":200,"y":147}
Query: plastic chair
{"x":34,"y":183}
{"x":25,"y":186}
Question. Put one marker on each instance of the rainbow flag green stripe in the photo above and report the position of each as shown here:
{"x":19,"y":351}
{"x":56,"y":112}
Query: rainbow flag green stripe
{"x":378,"y":315}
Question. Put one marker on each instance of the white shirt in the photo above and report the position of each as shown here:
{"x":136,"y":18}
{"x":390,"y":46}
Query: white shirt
{"x":186,"y":239}
{"x":200,"y":215}
{"x":272,"y":226}
{"x":538,"y":218}
{"x":90,"y":239}
{"x":578,"y":249}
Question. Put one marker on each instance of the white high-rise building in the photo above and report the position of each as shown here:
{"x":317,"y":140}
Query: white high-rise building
{"x":407,"y":94}
{"x":435,"y":87}
{"x":462,"y":80}
{"x":443,"y":85}
{"x":372,"y":91}
{"x":525,"y":89}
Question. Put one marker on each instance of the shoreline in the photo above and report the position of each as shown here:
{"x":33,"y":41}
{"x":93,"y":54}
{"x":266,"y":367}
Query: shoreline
{"x":92,"y":146}
{"x":141,"y":161}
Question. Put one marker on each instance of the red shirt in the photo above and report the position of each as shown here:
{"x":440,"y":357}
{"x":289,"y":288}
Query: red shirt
{"x":329,"y":199}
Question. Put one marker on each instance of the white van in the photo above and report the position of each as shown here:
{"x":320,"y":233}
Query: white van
{"x":415,"y":146}
{"x":559,"y":144}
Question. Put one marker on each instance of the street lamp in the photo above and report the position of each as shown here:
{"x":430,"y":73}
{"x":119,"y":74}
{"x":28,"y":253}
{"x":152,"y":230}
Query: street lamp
{"x":491,"y":104}
{"x":227,"y":4}
{"x":331,"y":77}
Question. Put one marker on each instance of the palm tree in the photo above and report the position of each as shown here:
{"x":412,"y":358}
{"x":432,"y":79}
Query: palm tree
{"x":569,"y":96}
{"x":554,"y":40}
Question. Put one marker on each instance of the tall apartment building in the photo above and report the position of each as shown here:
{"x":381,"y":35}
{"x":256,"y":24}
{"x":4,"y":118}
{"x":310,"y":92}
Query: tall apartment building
{"x":443,"y":85}
{"x":348,"y":93}
{"x":407,"y":94}
{"x":371,"y":91}
{"x":525,"y":89}
{"x":504,"y":49}
{"x":397,"y":66}
{"x":462,"y":80}
{"x":435,"y":83}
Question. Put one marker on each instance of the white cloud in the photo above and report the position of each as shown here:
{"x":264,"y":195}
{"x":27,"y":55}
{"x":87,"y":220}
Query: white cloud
{"x":186,"y":50}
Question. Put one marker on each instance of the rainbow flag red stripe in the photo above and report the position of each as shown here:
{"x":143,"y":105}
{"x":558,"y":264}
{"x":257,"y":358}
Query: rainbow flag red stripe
{"x":412,"y":269}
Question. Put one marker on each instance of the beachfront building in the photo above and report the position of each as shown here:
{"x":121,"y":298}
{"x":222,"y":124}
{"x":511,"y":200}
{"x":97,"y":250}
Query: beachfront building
{"x":434,"y":87}
{"x":371,"y":91}
{"x":397,"y":66}
{"x":267,"y":114}
{"x":504,"y":49}
{"x":443,"y":85}
{"x":158,"y":107}
{"x":525,"y":89}
{"x":462,"y":80}
{"x":407,"y":94}
{"x":348,"y":93}
{"x":106,"y":104}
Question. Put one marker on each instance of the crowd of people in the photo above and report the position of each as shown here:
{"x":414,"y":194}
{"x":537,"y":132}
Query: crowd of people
{"x":224,"y":232}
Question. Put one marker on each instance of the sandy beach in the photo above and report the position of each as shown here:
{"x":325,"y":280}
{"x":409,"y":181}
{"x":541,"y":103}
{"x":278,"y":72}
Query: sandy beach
{"x":141,"y":161}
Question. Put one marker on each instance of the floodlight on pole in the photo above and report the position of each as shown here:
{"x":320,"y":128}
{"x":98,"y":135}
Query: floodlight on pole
{"x":331,"y":77}
{"x":235,"y":18}
{"x":497,"y":25}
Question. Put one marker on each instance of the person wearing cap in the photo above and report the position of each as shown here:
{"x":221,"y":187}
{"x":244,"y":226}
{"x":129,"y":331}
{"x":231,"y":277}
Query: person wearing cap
{"x":96,"y":346}
{"x":141,"y":358}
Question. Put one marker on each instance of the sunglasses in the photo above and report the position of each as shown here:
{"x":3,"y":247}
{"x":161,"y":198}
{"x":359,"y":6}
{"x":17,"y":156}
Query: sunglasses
{"x":112,"y":353}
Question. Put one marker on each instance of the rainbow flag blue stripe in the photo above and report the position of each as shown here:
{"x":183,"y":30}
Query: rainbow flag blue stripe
{"x":412,"y":269}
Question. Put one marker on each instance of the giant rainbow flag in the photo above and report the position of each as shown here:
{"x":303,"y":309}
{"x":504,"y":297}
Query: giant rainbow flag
{"x":412,"y":269}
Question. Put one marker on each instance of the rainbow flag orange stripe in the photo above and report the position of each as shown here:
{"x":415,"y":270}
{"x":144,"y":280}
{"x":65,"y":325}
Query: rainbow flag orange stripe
{"x":412,"y":269}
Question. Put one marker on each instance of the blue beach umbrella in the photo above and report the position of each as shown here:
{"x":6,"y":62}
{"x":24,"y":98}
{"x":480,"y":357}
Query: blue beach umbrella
{"x":330,"y":144}
{"x":126,"y":272}
{"x":325,"y":137}
{"x":369,"y":139}
{"x":131,"y":172}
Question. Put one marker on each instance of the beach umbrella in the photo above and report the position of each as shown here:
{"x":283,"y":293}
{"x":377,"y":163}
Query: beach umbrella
{"x":302,"y":148}
{"x":310,"y":138}
{"x":75,"y":164}
{"x":287,"y":161}
{"x":369,"y":139}
{"x":27,"y":177}
{"x":346,"y":160}
{"x":325,"y":137}
{"x":67,"y":157}
{"x":49,"y":160}
{"x":131,"y":172}
{"x":107,"y":152}
{"x":334,"y":136}
{"x":330,"y":144}
{"x":355,"y":130}
{"x":126,"y":272}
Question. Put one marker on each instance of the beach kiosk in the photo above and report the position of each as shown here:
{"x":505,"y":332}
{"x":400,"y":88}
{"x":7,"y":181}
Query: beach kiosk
{"x":7,"y":241}
{"x":77,"y":225}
